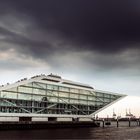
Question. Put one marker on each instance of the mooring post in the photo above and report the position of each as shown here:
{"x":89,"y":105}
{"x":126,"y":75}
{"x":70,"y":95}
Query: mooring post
{"x":139,"y":121}
{"x":117,"y":122}
{"x":103,"y":123}
{"x":129,"y":122}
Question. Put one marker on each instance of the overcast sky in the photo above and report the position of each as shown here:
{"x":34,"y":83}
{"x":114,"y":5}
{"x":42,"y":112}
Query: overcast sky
{"x":90,"y":41}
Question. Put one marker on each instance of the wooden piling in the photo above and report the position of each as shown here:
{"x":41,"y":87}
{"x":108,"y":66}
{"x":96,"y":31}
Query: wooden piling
{"x":117,"y":122}
{"x":103,"y":123}
{"x":129,"y":122}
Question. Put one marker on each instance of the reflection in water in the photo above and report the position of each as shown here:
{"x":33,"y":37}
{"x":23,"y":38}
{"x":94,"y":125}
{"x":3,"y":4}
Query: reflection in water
{"x":74,"y":133}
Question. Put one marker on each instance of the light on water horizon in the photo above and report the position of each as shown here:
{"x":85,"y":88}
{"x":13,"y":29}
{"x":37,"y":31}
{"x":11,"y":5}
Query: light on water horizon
{"x":129,"y":103}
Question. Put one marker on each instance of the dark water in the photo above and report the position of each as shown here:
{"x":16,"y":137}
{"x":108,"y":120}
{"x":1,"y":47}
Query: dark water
{"x":110,"y":133}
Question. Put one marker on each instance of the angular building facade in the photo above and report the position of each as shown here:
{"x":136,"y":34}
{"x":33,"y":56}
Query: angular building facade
{"x":53,"y":96}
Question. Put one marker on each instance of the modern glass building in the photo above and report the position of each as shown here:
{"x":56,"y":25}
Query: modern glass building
{"x":52,"y":96}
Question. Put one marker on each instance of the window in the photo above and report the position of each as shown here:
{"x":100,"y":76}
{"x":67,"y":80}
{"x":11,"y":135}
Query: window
{"x":64,"y":89}
{"x":63,"y":100}
{"x":55,"y":87}
{"x":24,"y":96}
{"x":106,"y":100}
{"x":63,"y":94}
{"x":113,"y":96}
{"x":54,"y":93}
{"x":49,"y":93}
{"x":85,"y":92}
{"x":74,"y":90}
{"x":83,"y":102}
{"x":25,"y":89}
{"x":74,"y":96}
{"x":83,"y":97}
{"x":99,"y":103}
{"x":39,"y":85}
{"x":92,"y":98}
{"x":91,"y":102}
{"x":53,"y":99}
{"x":74,"y":101}
{"x":5,"y":94}
{"x":52,"y":87}
{"x":99,"y":94}
{"x":13,"y":89}
{"x":12,"y":95}
{"x":37,"y":98}
{"x":39,"y":91}
{"x":29,"y":84}
{"x":107,"y":95}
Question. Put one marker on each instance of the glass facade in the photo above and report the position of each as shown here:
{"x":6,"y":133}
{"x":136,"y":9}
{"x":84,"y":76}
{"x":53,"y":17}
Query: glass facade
{"x":37,"y":97}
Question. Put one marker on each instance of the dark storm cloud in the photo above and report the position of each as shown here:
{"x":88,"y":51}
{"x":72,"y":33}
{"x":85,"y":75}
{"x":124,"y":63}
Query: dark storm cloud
{"x":95,"y":41}
{"x":24,"y":44}
{"x":104,"y":26}
{"x":59,"y":28}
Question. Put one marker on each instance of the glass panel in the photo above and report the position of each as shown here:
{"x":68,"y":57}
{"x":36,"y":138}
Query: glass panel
{"x":81,"y":91}
{"x":37,"y":98}
{"x":39,"y":91}
{"x":74,"y":101}
{"x":91,"y":102}
{"x":53,"y":99}
{"x":44,"y":86}
{"x":24,"y":96}
{"x":25,"y":89}
{"x":12,"y":95}
{"x":85,"y":92}
{"x":106,"y":100}
{"x":63,"y":94}
{"x":5,"y":94}
{"x":29,"y":84}
{"x":83,"y":97}
{"x":39,"y":85}
{"x":63,"y":100}
{"x":55,"y":87}
{"x":55,"y":93}
{"x":74,"y":90}
{"x":83,"y":102}
{"x":49,"y":87}
{"x":92,"y":98}
{"x":74,"y":96}
{"x":64,"y":89}
{"x":49,"y":93}
{"x":13,"y":89}
{"x":113,"y":96}
{"x":99,"y":103}
{"x":4,"y":103}
{"x":100,"y":94}
{"x":107,"y":95}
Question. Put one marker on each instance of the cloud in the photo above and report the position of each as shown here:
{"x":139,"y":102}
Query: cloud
{"x":107,"y":27}
{"x":83,"y":60}
{"x":11,"y":60}
{"x":98,"y":40}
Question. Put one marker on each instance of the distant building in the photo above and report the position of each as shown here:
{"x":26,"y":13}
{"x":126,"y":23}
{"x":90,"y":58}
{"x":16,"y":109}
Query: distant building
{"x":52,"y":96}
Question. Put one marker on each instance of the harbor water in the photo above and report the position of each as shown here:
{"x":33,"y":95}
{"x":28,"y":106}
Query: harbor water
{"x":107,"y":133}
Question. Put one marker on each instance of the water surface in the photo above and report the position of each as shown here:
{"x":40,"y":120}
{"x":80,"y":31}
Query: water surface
{"x":110,"y":133}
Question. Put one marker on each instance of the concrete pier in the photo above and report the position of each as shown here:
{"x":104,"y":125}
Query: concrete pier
{"x":45,"y":125}
{"x":125,"y":122}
